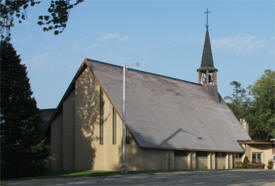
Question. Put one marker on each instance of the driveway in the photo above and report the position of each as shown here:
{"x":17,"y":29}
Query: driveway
{"x":253,"y":177}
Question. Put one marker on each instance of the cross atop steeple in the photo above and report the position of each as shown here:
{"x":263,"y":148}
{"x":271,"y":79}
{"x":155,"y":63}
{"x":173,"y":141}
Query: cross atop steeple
{"x":207,"y":12}
{"x":207,"y":71}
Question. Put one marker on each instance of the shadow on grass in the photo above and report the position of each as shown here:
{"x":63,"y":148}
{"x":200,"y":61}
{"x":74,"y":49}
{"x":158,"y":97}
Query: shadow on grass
{"x":111,"y":173}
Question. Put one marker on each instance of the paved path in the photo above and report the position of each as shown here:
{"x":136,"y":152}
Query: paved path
{"x":232,"y":178}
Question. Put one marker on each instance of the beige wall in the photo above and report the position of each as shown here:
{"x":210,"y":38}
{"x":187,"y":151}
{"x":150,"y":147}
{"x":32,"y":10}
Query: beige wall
{"x":212,"y":158}
{"x":147,"y":159}
{"x":86,"y":120}
{"x":230,"y":161}
{"x":181,"y":162}
{"x":201,"y":162}
{"x":56,"y":143}
{"x":68,"y":134}
{"x":220,"y":161}
{"x":90,"y":154}
{"x":75,"y":132}
{"x":155,"y":159}
{"x":134,"y":156}
{"x":109,"y":154}
{"x":266,"y":151}
{"x":75,"y":137}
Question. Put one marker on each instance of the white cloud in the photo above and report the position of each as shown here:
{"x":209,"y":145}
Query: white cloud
{"x":40,"y":62}
{"x":105,"y":40}
{"x":114,"y":36}
{"x":242,"y":43}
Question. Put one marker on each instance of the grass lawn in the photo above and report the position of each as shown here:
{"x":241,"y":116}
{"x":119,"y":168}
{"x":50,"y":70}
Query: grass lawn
{"x":106,"y":173}
{"x":91,"y":173}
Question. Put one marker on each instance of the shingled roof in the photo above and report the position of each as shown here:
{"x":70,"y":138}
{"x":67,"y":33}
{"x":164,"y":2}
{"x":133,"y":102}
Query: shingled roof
{"x":207,"y":58}
{"x":168,"y":113}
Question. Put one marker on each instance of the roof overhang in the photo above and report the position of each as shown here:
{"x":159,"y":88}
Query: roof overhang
{"x":256,"y":142}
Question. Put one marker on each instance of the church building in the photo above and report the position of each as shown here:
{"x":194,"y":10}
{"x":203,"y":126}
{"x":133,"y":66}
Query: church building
{"x":171,"y":124}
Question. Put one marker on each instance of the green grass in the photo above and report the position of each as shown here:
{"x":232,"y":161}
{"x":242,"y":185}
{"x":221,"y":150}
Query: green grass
{"x":94,"y":173}
{"x":108,"y":173}
{"x":77,"y":174}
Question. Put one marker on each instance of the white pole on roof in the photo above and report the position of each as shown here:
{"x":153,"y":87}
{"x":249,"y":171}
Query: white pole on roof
{"x":124,"y":169}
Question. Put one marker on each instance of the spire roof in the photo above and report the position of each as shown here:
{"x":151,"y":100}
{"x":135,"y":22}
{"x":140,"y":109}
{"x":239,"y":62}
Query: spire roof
{"x":207,"y":58}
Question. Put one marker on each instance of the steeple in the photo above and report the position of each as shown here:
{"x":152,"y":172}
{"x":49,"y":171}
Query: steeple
{"x":207,"y":73}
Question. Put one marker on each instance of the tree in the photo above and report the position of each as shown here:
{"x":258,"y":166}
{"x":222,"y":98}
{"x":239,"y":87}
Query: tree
{"x":23,"y":153}
{"x":262,"y":112}
{"x":56,"y":19}
{"x":257,"y":107}
{"x":239,"y":102}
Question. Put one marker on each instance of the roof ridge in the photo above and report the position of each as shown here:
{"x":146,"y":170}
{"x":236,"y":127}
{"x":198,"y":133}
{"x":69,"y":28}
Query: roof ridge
{"x":145,"y":72}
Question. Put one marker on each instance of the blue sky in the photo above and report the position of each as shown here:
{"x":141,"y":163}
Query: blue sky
{"x":165,"y":36}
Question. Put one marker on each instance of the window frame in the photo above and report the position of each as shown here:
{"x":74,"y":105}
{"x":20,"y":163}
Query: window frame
{"x":101,"y":116}
{"x":114,"y":127}
{"x":258,"y":157}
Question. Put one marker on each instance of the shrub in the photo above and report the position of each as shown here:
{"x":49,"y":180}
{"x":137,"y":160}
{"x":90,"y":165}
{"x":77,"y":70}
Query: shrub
{"x":238,"y":164}
{"x":253,"y":165}
{"x":245,"y":162}
{"x":270,"y":164}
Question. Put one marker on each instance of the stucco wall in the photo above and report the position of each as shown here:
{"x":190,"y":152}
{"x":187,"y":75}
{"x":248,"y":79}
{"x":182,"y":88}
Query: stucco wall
{"x":181,"y":162}
{"x":134,"y":156}
{"x":147,"y":159}
{"x":56,"y":143}
{"x":75,"y":137}
{"x":68,"y":134}
{"x":89,"y":153}
{"x":212,"y":158}
{"x":155,"y":159}
{"x":201,"y":162}
{"x":220,"y":161}
{"x":86,"y":120}
{"x":109,"y":151}
{"x":193,"y":160}
{"x":266,"y":151}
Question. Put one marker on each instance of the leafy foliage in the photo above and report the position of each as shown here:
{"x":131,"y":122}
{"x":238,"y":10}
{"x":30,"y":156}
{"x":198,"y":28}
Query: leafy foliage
{"x":256,"y":104}
{"x":239,"y":102}
{"x":262,"y":112}
{"x":245,"y":162}
{"x":23,"y":153}
{"x":270,"y":164}
{"x":56,"y":19}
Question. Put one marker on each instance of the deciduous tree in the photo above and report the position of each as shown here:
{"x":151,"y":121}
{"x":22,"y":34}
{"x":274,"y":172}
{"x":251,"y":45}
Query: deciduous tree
{"x":262,"y":112}
{"x":256,"y":104}
{"x":55,"y":19}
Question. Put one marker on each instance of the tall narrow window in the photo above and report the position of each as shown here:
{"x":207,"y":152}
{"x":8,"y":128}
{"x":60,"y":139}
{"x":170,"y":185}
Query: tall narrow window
{"x":101,"y":116}
{"x":114,"y":126}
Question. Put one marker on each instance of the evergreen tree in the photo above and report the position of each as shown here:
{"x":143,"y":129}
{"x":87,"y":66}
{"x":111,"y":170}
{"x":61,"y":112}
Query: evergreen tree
{"x":23,"y":153}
